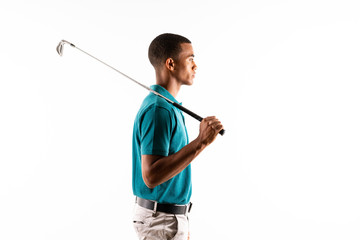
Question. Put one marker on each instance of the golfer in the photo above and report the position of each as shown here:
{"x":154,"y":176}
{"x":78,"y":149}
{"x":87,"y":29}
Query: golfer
{"x":161,"y":150}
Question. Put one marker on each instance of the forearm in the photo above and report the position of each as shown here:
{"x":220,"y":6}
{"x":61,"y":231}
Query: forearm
{"x":158,"y":169}
{"x":164,"y":168}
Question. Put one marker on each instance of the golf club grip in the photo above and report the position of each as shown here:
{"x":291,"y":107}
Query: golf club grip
{"x":194,"y":115}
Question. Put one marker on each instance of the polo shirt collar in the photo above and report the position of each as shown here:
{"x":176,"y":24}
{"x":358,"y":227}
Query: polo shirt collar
{"x":164,"y":92}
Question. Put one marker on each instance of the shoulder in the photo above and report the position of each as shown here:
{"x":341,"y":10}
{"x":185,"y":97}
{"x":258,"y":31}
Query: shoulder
{"x":155,"y":109}
{"x":155,"y":104}
{"x":156,"y":118}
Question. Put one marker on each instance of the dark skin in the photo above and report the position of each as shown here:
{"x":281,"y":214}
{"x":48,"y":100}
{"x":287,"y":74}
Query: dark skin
{"x":172,"y":75}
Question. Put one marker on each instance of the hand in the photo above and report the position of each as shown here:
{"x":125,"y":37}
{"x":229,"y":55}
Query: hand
{"x":209,"y":129}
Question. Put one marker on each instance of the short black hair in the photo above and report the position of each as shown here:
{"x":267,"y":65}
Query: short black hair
{"x":165,"y":46}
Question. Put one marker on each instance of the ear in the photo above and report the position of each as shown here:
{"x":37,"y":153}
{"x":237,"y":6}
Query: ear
{"x":170,"y":64}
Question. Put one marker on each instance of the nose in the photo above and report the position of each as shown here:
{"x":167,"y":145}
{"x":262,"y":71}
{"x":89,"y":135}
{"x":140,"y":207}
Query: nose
{"x":194,"y":66}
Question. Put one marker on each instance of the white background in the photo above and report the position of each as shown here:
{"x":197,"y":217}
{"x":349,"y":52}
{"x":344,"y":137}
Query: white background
{"x":282,"y":76}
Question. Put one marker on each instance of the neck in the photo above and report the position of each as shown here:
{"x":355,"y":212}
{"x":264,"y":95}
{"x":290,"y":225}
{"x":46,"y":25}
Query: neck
{"x":169,"y":83}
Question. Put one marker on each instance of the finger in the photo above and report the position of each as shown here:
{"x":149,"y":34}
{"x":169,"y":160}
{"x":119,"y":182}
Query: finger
{"x":216,"y":127}
{"x":219,"y":127}
{"x":209,"y":118}
{"x":214,"y":122}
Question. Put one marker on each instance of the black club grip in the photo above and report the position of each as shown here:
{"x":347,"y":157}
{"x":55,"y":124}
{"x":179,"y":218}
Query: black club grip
{"x":194,"y":115}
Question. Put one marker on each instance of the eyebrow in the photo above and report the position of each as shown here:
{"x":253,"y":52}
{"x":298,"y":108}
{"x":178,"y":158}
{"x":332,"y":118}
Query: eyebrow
{"x":192,"y":55}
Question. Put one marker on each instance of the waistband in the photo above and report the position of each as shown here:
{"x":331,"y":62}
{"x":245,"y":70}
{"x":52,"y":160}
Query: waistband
{"x":164,"y":207}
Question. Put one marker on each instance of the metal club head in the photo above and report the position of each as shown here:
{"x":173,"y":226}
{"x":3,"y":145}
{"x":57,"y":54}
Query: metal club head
{"x":60,"y":46}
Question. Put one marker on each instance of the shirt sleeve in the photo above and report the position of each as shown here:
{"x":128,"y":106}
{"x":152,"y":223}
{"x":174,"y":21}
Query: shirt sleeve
{"x":156,"y":131}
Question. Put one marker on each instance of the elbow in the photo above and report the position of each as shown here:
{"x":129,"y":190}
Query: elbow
{"x":149,"y":180}
{"x":150,"y":171}
{"x":150,"y":185}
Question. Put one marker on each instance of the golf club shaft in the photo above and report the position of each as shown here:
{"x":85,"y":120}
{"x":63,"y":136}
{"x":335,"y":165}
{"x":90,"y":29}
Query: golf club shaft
{"x":144,"y":86}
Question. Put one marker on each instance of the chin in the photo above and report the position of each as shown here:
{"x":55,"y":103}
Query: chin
{"x":189,"y":83}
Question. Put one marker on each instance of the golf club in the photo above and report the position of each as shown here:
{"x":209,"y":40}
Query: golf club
{"x":60,"y":50}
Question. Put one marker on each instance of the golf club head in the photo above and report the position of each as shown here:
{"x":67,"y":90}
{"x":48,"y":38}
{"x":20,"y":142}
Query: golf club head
{"x":60,"y":46}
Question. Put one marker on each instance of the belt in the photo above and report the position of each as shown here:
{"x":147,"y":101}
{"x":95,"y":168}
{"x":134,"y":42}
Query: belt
{"x":164,"y":207}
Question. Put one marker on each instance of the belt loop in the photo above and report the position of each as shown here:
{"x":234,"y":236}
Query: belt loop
{"x":188,"y":208}
{"x":155,"y":208}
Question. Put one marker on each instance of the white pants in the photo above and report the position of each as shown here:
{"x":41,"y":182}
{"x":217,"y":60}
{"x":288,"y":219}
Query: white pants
{"x":160,"y":226}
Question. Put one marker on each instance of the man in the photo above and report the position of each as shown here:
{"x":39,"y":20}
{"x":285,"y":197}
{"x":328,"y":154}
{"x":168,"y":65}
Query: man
{"x":161,"y":150}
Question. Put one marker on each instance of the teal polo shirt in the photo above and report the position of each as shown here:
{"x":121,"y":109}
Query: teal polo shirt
{"x":159,"y":129}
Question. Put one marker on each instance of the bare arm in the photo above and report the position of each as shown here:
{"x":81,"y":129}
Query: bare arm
{"x":158,"y":169}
